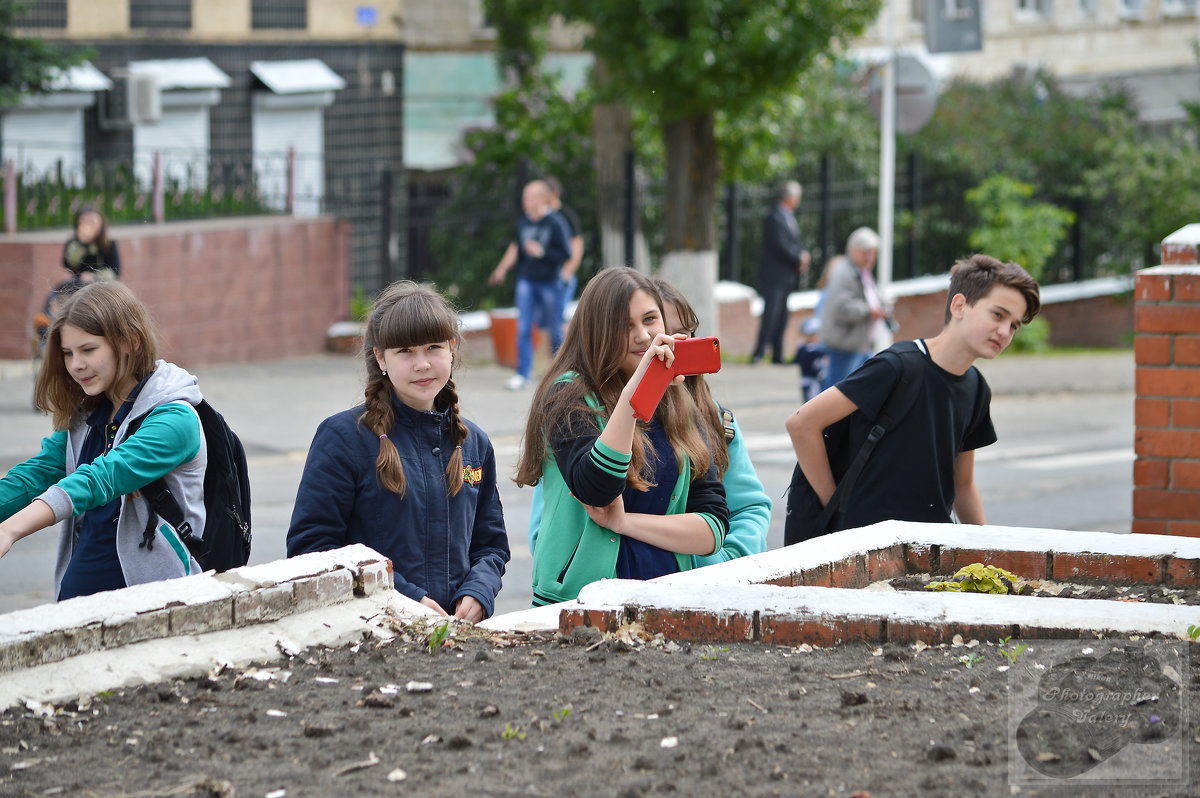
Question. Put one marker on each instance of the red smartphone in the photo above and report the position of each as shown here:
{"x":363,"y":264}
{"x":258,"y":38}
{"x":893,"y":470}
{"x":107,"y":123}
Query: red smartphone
{"x":692,"y":356}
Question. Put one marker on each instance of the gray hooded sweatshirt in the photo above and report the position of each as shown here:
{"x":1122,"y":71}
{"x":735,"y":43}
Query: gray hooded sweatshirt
{"x":168,"y":558}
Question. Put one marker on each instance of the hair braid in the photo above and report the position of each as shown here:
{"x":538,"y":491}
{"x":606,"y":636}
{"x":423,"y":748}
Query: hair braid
{"x":380,"y":418}
{"x":454,"y":469}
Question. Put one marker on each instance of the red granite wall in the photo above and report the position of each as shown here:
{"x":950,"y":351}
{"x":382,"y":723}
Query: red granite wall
{"x":220,"y":290}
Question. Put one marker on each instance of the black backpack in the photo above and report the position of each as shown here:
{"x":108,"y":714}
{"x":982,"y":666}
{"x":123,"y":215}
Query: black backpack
{"x":806,"y":518}
{"x":226,"y":541}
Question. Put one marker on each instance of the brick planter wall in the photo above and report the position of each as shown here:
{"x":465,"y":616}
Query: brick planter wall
{"x":1166,"y":473}
{"x":220,"y":290}
{"x":811,"y":592}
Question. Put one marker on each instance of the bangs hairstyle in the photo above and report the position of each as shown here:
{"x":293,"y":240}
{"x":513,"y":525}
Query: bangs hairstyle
{"x":975,"y":276}
{"x":112,"y":311}
{"x":594,"y":349}
{"x":707,"y":409}
{"x":406,"y":315}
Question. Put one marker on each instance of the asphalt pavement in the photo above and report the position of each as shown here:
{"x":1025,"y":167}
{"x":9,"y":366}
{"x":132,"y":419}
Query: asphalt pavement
{"x":275,"y":408}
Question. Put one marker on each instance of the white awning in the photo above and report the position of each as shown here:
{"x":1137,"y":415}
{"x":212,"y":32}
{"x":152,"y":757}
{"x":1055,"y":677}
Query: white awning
{"x":297,"y":77}
{"x":81,"y":77}
{"x":182,"y":73}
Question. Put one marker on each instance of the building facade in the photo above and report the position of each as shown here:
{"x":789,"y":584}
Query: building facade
{"x":1145,"y":46}
{"x":238,"y":87}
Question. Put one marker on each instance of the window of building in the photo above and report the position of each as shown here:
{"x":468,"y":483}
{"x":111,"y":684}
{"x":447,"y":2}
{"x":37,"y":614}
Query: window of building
{"x":43,"y":14}
{"x":1179,"y":8}
{"x":174,"y":14}
{"x":1131,"y":9}
{"x":279,"y":14}
{"x":1033,"y":10}
{"x":1087,"y":8}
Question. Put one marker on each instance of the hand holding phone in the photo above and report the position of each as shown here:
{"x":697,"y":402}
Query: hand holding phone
{"x":692,"y":356}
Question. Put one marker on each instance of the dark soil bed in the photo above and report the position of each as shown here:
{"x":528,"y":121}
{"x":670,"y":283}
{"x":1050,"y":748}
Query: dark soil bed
{"x":548,"y":718}
{"x":1138,"y":592}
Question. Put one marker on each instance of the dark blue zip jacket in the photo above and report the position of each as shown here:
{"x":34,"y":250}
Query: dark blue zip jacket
{"x":440,"y":545}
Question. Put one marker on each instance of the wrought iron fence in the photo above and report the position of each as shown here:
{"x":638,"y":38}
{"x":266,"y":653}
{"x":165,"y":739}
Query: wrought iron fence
{"x":172,"y":184}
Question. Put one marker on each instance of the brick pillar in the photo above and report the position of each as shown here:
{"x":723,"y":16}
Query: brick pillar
{"x":1166,"y":473}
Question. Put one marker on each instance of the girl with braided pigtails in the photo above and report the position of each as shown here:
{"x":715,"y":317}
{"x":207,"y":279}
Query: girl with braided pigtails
{"x":404,"y":473}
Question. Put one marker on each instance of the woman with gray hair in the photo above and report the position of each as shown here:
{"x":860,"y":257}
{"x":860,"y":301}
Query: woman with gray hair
{"x":852,"y":313}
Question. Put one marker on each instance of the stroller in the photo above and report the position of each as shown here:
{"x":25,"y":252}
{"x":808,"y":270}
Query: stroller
{"x":49,"y":312}
{"x":46,"y":316}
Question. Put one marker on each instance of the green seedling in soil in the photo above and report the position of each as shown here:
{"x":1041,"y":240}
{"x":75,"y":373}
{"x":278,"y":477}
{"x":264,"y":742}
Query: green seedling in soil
{"x":1194,"y":632}
{"x":1014,"y":652}
{"x":438,"y":636}
{"x":561,"y":714}
{"x":970,"y":659}
{"x":512,"y":732}
{"x":977,"y":578}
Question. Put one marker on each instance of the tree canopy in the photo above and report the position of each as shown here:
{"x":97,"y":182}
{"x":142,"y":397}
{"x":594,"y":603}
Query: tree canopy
{"x":682,"y":58}
{"x":27,"y":65}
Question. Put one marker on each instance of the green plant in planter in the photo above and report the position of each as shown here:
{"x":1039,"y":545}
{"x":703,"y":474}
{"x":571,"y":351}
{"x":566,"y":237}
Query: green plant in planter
{"x":438,"y":636}
{"x":977,"y":578}
{"x":360,"y":306}
{"x":1013,"y":652}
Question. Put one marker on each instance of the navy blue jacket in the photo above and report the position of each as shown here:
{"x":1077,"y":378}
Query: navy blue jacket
{"x":442,"y":546}
{"x":551,"y":232}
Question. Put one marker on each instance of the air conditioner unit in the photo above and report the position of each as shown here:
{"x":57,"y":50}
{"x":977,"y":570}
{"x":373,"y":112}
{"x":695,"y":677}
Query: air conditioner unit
{"x":134,"y":99}
{"x":145,"y":100}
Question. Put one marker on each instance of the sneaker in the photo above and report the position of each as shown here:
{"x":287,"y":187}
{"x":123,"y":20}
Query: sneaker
{"x":516,"y":382}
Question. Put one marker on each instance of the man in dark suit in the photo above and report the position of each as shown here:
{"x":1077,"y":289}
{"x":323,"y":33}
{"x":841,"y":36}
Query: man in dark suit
{"x":784,"y":258}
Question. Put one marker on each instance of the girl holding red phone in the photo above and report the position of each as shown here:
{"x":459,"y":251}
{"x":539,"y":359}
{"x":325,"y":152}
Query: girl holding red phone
{"x":622,"y":498}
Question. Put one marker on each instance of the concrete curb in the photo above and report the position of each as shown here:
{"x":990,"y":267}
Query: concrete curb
{"x":194,"y":656}
{"x":200,"y":604}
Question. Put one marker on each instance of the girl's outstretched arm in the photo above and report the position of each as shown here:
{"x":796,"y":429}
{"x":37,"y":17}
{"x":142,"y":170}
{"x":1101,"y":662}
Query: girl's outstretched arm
{"x":37,"y":515}
{"x":26,"y":481}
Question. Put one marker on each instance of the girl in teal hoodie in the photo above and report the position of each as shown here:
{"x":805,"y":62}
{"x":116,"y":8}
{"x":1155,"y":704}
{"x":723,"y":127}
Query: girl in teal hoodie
{"x":622,"y":498}
{"x":100,"y":373}
{"x":749,"y":504}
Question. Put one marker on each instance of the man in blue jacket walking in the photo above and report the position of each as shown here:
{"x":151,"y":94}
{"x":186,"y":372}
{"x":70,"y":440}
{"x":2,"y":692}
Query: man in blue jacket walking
{"x":541,"y":248}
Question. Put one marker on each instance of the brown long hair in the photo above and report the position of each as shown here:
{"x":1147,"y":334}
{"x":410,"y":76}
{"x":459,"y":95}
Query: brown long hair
{"x":706,"y":405}
{"x":594,"y":348}
{"x":407,"y":314}
{"x":101,"y":239}
{"x":107,"y":309}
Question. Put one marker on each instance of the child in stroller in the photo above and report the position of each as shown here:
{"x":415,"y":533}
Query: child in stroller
{"x":50,"y":309}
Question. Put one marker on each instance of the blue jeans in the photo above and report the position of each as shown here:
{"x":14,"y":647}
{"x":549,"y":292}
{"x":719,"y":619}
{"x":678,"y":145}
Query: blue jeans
{"x":537,"y":302}
{"x":841,"y":365}
{"x":566,"y":294}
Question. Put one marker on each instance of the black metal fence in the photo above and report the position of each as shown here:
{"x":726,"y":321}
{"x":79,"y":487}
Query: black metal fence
{"x":159,"y":186}
{"x":457,"y":233}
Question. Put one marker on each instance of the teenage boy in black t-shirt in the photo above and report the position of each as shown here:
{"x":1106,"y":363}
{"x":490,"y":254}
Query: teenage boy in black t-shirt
{"x":924,"y":467}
